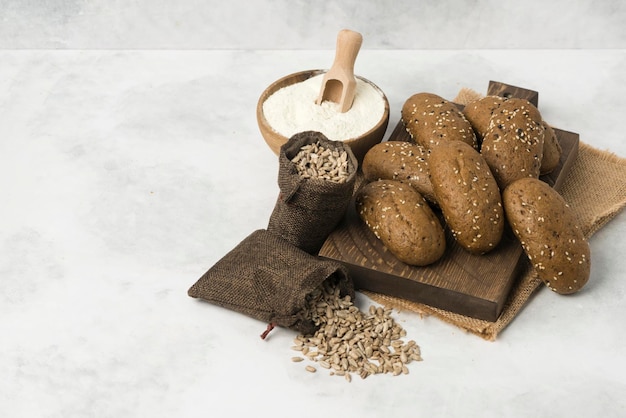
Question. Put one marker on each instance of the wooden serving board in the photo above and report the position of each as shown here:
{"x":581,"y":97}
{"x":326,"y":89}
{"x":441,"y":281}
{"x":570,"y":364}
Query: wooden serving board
{"x":472,"y":285}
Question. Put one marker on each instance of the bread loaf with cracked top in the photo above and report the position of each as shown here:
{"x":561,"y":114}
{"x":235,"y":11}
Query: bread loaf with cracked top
{"x":548,"y":231}
{"x":399,"y":160}
{"x":402,"y":219}
{"x":430,"y":119}
{"x":468,"y":195}
{"x":513,"y":144}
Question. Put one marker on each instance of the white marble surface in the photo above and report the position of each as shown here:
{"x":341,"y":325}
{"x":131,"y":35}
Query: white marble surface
{"x":125,"y":175}
{"x":302,"y":24}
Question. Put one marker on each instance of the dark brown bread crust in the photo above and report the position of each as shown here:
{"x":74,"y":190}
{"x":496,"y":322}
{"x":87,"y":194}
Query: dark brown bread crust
{"x":549,"y":234}
{"x":551,"y":150}
{"x":479,"y":112}
{"x":400,"y":217}
{"x":468,"y":196}
{"x":430,"y":119}
{"x":399,"y":160}
{"x":513,"y":144}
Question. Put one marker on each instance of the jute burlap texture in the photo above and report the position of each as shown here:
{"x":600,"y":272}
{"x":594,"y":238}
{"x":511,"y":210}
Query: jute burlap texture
{"x":267,"y":278}
{"x":595,"y":189}
{"x":307,"y":210}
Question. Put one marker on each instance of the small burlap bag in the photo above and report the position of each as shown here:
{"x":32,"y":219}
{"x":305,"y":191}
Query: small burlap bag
{"x":595,"y":189}
{"x":267,"y":278}
{"x":308,"y":209}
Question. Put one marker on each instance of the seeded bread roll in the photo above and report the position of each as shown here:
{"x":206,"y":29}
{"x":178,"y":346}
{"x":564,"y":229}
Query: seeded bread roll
{"x":468,"y":195}
{"x":479,"y":112}
{"x":400,"y":217}
{"x":399,"y":160}
{"x":551,"y":150}
{"x":513,"y":144}
{"x":549,"y":234}
{"x":430,"y":119}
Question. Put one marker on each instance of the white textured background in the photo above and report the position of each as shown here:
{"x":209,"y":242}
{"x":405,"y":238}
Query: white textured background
{"x":117,"y":191}
{"x":305,"y":24}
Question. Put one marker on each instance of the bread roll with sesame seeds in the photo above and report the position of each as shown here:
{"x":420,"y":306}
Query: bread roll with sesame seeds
{"x":551,"y":150}
{"x":399,"y":160}
{"x":468,"y":195}
{"x":550,"y":236}
{"x":479,"y":112}
{"x":513,"y":144}
{"x":400,"y":217}
{"x":430,"y":119}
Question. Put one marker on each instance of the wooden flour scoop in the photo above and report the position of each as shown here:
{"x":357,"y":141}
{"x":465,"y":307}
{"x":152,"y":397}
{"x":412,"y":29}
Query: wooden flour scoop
{"x":339,"y":83}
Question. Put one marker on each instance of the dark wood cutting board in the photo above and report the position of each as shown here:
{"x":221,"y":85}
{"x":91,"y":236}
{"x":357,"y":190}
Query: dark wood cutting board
{"x":470,"y":285}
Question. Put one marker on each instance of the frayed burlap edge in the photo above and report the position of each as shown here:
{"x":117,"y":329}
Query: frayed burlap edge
{"x":595,"y":190}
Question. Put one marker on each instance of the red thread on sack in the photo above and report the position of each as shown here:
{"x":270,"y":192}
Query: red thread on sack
{"x":270,"y":327}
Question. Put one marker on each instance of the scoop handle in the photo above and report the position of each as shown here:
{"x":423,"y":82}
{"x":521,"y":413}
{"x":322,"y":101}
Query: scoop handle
{"x":348,"y":46}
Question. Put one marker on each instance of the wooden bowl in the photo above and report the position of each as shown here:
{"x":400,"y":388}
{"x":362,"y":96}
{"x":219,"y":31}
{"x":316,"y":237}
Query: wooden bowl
{"x":359,"y":145}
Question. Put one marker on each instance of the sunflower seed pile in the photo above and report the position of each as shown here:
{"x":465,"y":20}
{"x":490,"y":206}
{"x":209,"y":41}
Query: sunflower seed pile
{"x":349,"y":341}
{"x":316,"y":161}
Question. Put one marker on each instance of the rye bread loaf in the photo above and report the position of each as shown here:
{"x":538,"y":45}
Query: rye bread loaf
{"x":399,"y":160}
{"x":430,"y":119}
{"x":479,"y":112}
{"x":468,"y":195}
{"x":550,"y":236}
{"x":551,"y":150}
{"x":400,"y":217}
{"x":513,"y":144}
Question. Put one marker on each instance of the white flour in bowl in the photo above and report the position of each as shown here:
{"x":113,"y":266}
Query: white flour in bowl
{"x":292,"y":109}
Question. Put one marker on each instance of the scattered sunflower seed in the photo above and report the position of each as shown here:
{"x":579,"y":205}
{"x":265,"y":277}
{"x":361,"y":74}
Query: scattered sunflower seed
{"x":350,"y":341}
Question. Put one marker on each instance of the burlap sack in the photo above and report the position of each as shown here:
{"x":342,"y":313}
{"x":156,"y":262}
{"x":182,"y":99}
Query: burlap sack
{"x":595,"y":189}
{"x":307,"y":210}
{"x":267,"y":278}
